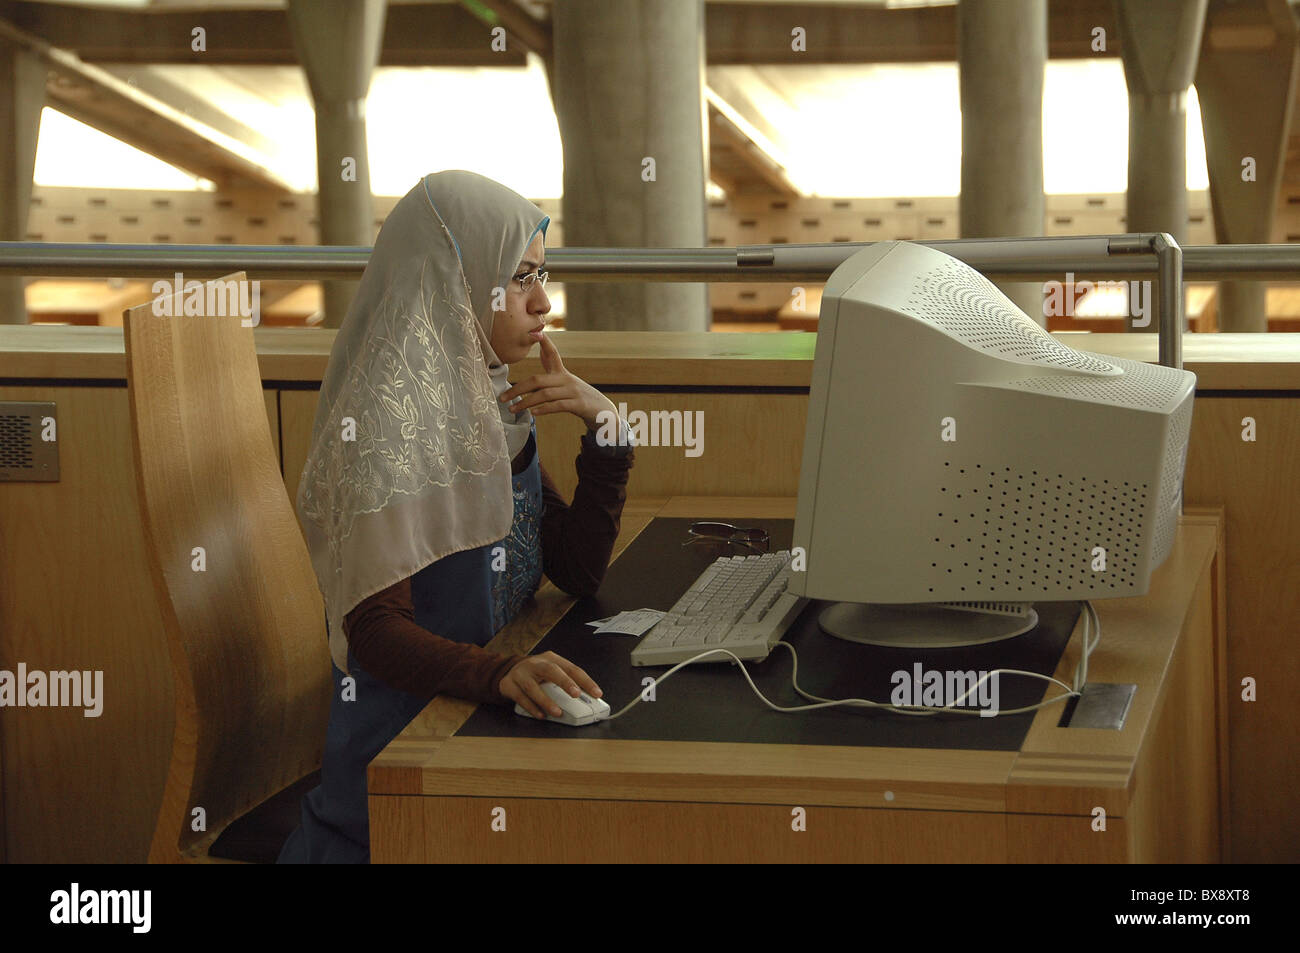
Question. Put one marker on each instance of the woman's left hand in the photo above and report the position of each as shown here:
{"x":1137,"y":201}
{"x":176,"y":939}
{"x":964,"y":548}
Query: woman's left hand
{"x":555,"y":390}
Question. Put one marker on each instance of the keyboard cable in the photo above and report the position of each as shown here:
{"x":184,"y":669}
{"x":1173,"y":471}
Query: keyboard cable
{"x":1090,"y":619}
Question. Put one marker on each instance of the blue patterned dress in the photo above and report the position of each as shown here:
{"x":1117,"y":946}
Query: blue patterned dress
{"x":461,"y":597}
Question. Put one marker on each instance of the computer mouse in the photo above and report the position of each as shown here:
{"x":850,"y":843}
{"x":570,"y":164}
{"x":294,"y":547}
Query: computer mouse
{"x":583,"y":710}
{"x":597,"y":704}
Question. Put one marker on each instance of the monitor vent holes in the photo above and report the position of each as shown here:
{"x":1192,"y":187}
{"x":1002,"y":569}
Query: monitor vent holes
{"x":1011,"y":532}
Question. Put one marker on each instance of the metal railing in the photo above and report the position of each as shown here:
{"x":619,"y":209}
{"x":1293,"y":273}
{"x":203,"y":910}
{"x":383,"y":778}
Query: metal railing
{"x":1101,"y":257}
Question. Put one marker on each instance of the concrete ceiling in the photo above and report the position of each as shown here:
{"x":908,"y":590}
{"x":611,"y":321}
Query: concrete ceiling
{"x":121,"y":49}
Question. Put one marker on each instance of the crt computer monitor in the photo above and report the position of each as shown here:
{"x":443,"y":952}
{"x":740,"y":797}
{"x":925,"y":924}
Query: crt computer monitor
{"x":960,"y":463}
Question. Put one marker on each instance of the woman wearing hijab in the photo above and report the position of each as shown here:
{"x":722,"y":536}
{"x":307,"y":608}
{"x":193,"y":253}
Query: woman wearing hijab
{"x":427,"y":514}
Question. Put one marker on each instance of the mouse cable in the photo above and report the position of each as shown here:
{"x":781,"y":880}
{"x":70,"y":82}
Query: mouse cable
{"x":1080,"y":679}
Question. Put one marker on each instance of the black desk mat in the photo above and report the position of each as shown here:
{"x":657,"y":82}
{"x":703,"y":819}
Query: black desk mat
{"x":713,"y":702}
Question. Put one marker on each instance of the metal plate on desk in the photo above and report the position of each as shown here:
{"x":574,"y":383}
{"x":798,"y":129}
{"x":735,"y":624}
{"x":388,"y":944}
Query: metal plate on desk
{"x":1103,"y":705}
{"x":713,"y":702}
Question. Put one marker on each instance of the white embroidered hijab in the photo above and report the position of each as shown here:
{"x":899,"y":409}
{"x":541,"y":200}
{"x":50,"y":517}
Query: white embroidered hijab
{"x":411,"y":450}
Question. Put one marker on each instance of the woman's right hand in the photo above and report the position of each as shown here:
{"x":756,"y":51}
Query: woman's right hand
{"x":523,"y":683}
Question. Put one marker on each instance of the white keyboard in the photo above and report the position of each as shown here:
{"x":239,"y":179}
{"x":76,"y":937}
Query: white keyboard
{"x":739,"y":603}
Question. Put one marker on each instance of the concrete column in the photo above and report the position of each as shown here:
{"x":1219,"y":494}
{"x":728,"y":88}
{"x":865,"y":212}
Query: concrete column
{"x":1001,"y":54}
{"x":338,"y":42}
{"x":628,"y":86}
{"x":1159,"y":40}
{"x":22,"y":95}
{"x":1245,"y":80}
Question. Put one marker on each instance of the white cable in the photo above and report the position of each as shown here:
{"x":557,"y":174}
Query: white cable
{"x":744,"y":671}
{"x":951,"y":708}
{"x":1090,"y":618}
{"x":1080,"y":679}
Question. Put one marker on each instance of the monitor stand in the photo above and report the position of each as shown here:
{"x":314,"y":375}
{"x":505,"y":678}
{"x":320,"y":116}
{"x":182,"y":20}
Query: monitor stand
{"x":931,"y":625}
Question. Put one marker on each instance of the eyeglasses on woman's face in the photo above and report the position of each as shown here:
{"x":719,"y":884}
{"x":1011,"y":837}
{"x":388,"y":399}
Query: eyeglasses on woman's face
{"x":527,"y":281}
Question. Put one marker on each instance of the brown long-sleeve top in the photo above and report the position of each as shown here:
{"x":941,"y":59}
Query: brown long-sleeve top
{"x":577,"y":541}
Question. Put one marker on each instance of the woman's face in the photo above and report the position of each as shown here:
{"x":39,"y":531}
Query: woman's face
{"x":516,"y":329}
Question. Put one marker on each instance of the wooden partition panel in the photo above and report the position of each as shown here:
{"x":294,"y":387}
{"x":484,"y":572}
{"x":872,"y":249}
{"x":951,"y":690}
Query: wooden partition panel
{"x":1256,"y":482}
{"x":77,"y":596}
{"x":740,"y":444}
{"x":747,"y":443}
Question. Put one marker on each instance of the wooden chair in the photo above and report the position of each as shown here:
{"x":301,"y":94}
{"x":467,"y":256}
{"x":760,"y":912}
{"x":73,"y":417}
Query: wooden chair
{"x":244,"y":616}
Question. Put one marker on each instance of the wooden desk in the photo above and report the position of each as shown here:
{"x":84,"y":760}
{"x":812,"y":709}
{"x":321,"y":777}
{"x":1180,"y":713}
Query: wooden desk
{"x":1160,"y":780}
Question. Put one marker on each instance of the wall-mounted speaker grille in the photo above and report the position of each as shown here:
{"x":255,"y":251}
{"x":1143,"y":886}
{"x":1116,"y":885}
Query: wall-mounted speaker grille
{"x":1012,"y":531}
{"x":24,"y":456}
{"x":959,"y":300}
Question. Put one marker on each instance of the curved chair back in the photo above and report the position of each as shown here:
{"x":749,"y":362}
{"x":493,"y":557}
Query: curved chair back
{"x":243,"y":613}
